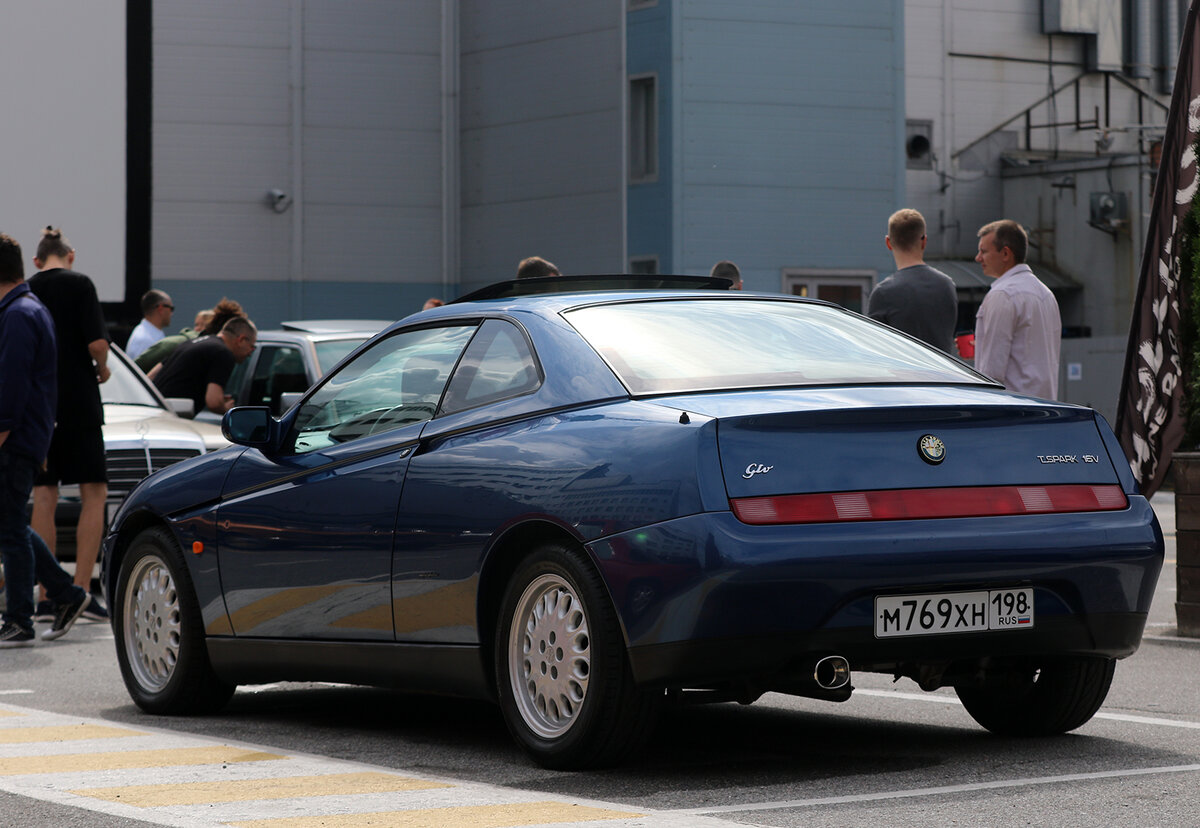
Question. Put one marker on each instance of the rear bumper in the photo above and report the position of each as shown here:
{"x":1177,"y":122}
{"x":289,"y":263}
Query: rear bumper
{"x":761,"y":659}
{"x":709,"y":596}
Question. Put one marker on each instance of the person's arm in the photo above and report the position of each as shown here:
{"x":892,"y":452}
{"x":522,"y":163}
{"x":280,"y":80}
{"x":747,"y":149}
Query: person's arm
{"x":993,"y":335}
{"x":98,"y":348}
{"x":17,"y":354}
{"x":215,"y":398}
{"x":4,"y":436}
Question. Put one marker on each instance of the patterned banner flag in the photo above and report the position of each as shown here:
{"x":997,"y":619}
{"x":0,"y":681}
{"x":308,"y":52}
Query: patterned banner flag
{"x":1150,"y":415}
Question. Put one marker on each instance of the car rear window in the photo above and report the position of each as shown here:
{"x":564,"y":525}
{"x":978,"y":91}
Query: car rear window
{"x":684,"y":345}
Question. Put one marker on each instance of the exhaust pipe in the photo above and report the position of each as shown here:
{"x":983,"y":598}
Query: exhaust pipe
{"x":832,"y":672}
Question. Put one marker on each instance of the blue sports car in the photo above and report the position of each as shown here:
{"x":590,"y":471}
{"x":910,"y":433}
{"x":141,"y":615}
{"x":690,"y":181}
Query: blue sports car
{"x":588,"y":504}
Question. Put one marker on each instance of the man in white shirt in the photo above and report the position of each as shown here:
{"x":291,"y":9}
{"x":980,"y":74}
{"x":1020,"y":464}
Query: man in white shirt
{"x":156,"y":316}
{"x":1018,"y":331}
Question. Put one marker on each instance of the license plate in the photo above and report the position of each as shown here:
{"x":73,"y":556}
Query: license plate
{"x":952,"y":612}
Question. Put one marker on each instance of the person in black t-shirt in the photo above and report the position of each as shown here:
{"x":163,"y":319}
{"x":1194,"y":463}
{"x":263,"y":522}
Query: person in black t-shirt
{"x":199,"y":370}
{"x":77,"y":448}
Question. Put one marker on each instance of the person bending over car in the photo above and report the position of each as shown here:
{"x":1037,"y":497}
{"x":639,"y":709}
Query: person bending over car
{"x":199,"y":370}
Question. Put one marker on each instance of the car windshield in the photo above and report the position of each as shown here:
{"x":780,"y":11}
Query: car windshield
{"x":126,"y":386}
{"x":330,"y":352}
{"x":684,"y":345}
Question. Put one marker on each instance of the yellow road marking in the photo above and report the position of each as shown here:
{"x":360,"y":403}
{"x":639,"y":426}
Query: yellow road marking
{"x":65,"y":733}
{"x":473,"y":816}
{"x":245,"y":790}
{"x":72,"y":762}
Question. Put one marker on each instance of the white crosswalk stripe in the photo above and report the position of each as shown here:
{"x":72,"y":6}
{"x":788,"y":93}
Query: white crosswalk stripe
{"x":189,"y":781}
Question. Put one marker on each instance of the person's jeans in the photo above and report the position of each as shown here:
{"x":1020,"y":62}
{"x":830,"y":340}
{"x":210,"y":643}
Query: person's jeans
{"x":26,"y":556}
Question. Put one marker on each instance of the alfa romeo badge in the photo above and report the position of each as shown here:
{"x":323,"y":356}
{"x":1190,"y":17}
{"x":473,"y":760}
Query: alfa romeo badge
{"x":932,"y":449}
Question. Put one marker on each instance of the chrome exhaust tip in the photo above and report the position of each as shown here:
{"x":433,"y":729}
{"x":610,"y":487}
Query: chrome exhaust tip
{"x":832,"y":672}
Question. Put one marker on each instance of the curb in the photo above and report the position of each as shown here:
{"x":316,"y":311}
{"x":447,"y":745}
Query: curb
{"x":1172,"y":640}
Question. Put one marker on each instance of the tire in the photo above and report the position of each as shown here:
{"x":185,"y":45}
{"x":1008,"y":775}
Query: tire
{"x":1057,"y":698}
{"x":562,"y":675}
{"x":159,"y":631}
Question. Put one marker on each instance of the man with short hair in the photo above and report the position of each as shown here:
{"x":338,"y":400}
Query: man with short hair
{"x":28,"y":398}
{"x":917,"y":299}
{"x":199,"y":370}
{"x":156,"y":315}
{"x":534,"y":267}
{"x":1018,"y":330}
{"x":77,"y":448}
{"x":726,"y":269}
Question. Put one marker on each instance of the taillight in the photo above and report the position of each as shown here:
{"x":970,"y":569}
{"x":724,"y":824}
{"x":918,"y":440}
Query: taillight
{"x":918,"y":504}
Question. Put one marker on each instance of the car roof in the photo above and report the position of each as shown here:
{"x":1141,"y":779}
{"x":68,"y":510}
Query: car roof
{"x":591,"y":283}
{"x":554,"y":303}
{"x":327,"y":326}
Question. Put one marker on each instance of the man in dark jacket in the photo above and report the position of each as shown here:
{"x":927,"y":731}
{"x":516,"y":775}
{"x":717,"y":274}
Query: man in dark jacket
{"x":28,"y":396}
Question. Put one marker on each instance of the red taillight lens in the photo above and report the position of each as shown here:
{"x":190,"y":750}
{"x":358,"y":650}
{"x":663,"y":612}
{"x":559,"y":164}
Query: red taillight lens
{"x":918,"y":504}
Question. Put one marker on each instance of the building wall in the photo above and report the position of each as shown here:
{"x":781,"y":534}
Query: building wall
{"x":974,"y":65}
{"x":542,"y":137}
{"x":426,"y":146}
{"x":338,"y":104}
{"x":1056,"y":204}
{"x":651,"y":213}
{"x":788,"y":141}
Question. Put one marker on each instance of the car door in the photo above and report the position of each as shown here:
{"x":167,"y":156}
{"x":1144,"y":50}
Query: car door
{"x":470,"y":483}
{"x":305,"y":533}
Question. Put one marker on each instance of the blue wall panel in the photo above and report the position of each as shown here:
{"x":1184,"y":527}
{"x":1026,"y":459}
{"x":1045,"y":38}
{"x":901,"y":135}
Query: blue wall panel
{"x":790,"y":135}
{"x":649,"y":203}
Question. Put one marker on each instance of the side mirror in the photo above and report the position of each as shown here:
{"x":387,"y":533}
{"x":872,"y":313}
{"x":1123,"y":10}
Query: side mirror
{"x":248,"y":426}
{"x":183,"y":406}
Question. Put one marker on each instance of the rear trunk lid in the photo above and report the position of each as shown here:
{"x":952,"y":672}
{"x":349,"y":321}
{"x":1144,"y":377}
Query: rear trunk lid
{"x":849,"y":439}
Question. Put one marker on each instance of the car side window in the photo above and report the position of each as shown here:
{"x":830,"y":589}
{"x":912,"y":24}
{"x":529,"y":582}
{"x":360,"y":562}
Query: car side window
{"x":498,"y":365}
{"x":395,"y":383}
{"x":278,"y":370}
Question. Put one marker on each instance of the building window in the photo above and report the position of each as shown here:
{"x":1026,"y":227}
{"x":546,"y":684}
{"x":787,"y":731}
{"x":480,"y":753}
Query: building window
{"x":644,"y":265}
{"x":634,"y":5}
{"x":643,"y":128}
{"x":848,"y":288}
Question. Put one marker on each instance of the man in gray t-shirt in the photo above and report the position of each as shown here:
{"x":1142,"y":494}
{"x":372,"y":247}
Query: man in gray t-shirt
{"x":917,"y":299}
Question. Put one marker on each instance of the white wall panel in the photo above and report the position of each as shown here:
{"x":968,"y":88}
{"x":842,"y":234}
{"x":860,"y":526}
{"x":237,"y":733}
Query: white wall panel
{"x":219,"y":162}
{"x":542,"y":136}
{"x":207,"y":241}
{"x":372,"y":168}
{"x":402,"y":26}
{"x":385,"y":245}
{"x":373,"y":90}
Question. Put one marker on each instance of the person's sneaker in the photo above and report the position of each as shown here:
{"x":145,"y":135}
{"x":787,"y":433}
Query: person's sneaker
{"x":44,"y":611}
{"x":65,"y":616}
{"x":95,"y":611}
{"x":14,"y":635}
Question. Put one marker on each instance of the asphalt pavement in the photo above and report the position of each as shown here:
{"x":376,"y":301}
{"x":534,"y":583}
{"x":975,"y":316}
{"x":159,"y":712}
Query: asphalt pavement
{"x":75,"y":751}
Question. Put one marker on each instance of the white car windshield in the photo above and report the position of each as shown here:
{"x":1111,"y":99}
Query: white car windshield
{"x":126,"y":386}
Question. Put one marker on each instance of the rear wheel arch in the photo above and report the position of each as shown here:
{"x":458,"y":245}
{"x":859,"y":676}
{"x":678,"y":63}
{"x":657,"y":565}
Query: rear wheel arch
{"x":500,"y":562}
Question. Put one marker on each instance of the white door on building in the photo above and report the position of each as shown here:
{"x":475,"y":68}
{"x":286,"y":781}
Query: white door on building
{"x":848,"y":288}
